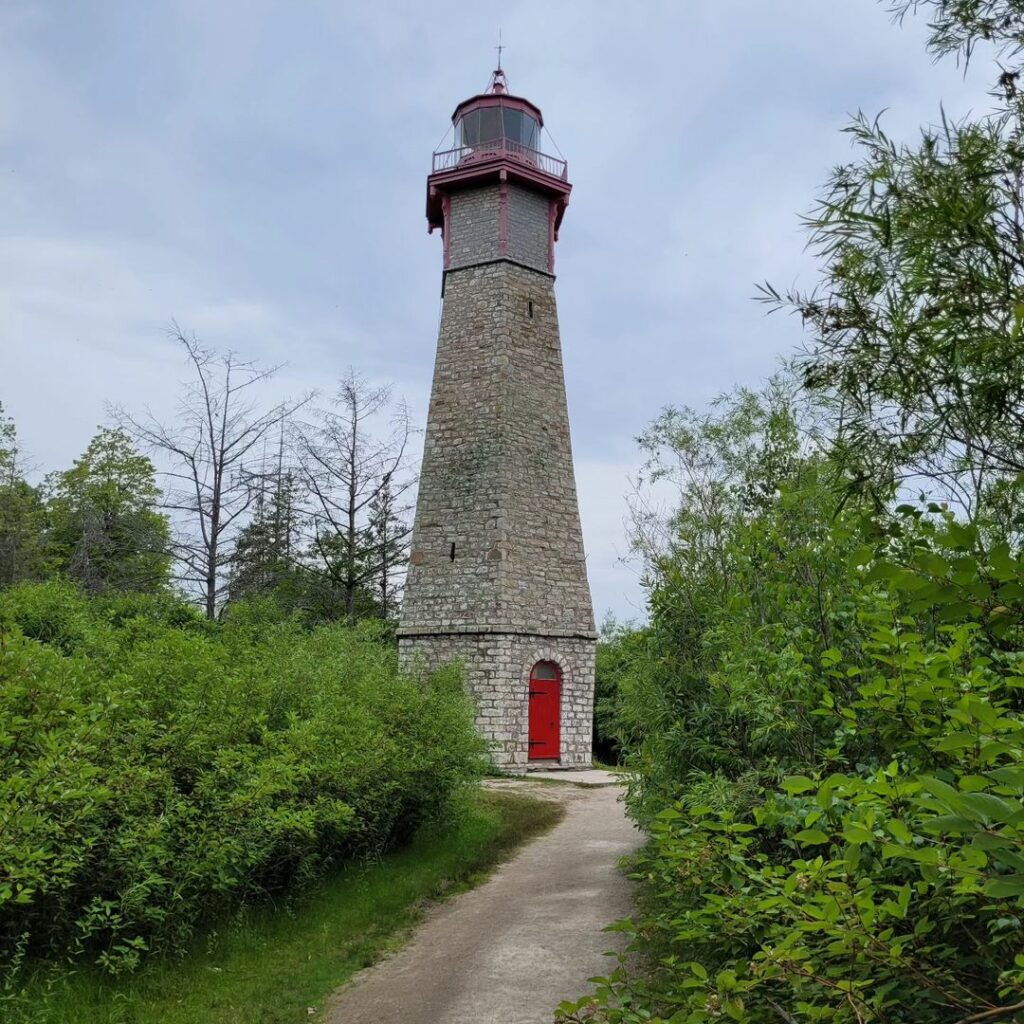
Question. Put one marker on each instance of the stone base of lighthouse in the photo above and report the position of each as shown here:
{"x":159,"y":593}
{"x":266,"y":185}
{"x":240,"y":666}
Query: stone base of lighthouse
{"x":497,"y":669}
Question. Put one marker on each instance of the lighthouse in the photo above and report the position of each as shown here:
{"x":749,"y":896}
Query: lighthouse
{"x":497,"y":575}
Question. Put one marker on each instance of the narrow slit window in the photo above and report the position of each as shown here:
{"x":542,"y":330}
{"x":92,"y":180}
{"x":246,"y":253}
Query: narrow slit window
{"x":529,"y":307}
{"x":451,"y":553}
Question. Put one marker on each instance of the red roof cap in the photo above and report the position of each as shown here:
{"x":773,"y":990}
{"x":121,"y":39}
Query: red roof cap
{"x":497,"y":95}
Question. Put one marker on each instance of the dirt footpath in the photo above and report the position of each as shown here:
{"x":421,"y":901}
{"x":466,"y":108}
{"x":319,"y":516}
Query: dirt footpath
{"x":509,"y":951}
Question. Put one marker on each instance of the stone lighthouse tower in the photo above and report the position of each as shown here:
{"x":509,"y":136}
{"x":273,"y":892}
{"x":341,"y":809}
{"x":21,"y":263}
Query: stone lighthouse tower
{"x":497,"y":577}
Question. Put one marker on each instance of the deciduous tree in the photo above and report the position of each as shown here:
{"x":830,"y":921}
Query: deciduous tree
{"x":917,"y":320}
{"x":106,"y":531}
{"x":213,"y":446}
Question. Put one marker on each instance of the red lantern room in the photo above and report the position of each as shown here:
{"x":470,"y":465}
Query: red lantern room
{"x":497,"y":139}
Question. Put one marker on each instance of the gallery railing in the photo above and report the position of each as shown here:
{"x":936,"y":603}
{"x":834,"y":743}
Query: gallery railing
{"x":449,"y":159}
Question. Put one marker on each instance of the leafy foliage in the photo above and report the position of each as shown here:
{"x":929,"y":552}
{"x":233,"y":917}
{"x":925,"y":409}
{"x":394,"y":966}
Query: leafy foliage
{"x":884,"y":881}
{"x":23,"y":554}
{"x":155,"y":766}
{"x":748,"y":584}
{"x":617,"y":649}
{"x":105,"y":531}
{"x":917,"y":318}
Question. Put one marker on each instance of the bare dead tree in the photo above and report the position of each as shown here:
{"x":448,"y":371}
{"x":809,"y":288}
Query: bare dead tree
{"x":355,"y":480}
{"x":212,"y":448}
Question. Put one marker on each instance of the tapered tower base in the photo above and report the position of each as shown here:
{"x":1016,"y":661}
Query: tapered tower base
{"x":497,"y":669}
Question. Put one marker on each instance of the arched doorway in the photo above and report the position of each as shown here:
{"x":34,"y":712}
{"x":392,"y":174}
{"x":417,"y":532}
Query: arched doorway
{"x":545,"y":711}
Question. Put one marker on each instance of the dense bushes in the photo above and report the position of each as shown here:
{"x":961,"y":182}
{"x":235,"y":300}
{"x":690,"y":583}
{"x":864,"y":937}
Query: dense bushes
{"x":155,"y":768}
{"x":748,"y":585}
{"x":824,"y":719}
{"x":616,"y":649}
{"x":885,"y":881}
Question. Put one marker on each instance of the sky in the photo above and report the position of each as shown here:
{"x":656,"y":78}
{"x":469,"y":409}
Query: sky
{"x":255,"y":170}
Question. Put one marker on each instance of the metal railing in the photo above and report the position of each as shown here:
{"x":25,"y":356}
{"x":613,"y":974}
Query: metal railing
{"x":449,"y":159}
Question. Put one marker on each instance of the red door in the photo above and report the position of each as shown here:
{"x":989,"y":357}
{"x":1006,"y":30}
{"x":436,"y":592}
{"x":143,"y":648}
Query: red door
{"x":545,"y":705}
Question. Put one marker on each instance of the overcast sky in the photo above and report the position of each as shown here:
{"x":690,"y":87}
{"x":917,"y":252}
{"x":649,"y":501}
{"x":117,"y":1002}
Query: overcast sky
{"x":256,"y":170}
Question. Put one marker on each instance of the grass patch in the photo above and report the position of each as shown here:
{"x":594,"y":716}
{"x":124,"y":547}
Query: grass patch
{"x":268,"y":966}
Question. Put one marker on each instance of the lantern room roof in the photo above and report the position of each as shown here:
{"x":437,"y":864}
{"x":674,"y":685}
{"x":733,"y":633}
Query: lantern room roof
{"x":497,"y":95}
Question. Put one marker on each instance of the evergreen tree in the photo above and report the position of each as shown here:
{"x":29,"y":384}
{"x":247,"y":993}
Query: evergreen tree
{"x":265,"y":562}
{"x":387,"y":537}
{"x":105,"y":530}
{"x":339,"y":586}
{"x":22,"y":514}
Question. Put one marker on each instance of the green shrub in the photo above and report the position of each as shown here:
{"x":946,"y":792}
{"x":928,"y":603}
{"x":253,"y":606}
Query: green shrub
{"x":616,"y":651}
{"x":155,"y":770}
{"x":52,"y":614}
{"x":884,"y":882}
{"x":749,"y":584}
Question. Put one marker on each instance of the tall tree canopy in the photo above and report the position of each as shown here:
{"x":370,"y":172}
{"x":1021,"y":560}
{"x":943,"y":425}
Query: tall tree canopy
{"x":106,"y":531}
{"x":917,"y":321}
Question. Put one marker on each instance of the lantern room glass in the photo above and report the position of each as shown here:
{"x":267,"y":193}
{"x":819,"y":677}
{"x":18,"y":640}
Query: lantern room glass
{"x":476,"y":128}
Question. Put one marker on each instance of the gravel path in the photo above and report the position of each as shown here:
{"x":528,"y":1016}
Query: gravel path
{"x":509,"y":951}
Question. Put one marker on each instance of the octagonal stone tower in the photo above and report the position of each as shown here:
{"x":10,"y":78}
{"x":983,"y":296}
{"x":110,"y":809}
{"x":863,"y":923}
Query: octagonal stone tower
{"x":497,"y":576}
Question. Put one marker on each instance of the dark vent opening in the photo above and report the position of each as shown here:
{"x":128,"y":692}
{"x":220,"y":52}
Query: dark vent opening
{"x":451,"y":554}
{"x":529,"y":306}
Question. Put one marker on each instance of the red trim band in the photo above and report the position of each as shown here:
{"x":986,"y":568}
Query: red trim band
{"x":446,"y":233}
{"x":503,"y":215}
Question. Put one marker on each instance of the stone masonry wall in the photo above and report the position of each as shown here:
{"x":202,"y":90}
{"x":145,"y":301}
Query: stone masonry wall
{"x":497,"y":670}
{"x":474,"y":227}
{"x":528,"y":231}
{"x":497,"y":544}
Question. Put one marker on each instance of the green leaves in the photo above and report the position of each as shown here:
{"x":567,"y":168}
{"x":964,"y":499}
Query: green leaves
{"x":155,"y":768}
{"x":811,"y":837}
{"x":828,"y":658}
{"x":850,"y":881}
{"x":915,"y":317}
{"x":857,"y":834}
{"x":899,"y":831}
{"x":798,"y":784}
{"x":104,"y":528}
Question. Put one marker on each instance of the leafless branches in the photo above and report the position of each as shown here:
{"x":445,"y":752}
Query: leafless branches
{"x":211,"y":448}
{"x":355,"y":482}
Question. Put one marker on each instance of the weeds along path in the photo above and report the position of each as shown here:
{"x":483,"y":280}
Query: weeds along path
{"x":509,"y":951}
